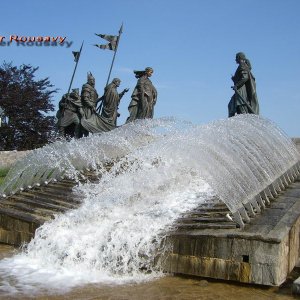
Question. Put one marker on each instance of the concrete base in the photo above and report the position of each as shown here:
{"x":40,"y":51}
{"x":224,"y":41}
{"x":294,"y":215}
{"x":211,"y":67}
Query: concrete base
{"x":264,"y":252}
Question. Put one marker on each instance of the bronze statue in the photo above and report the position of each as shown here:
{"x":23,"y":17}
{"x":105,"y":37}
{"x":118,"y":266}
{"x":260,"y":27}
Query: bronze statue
{"x":69,"y":114}
{"x":244,"y":101}
{"x":111,"y":100}
{"x":108,"y":119}
{"x":89,"y":98}
{"x":143,"y":97}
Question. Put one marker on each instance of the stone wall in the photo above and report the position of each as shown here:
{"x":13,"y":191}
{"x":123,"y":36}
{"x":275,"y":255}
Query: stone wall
{"x":8,"y":158}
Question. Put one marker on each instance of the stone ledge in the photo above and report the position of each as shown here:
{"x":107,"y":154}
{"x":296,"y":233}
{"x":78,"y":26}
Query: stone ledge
{"x":264,"y":252}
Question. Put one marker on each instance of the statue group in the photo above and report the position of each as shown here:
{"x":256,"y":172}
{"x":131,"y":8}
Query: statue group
{"x":79,"y":115}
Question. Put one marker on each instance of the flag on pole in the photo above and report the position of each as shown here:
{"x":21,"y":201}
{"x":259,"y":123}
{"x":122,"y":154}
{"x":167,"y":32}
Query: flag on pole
{"x":76,"y":55}
{"x":112,"y":39}
{"x":113,"y":45}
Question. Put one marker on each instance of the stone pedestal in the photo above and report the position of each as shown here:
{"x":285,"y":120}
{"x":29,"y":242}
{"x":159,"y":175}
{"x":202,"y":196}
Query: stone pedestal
{"x":264,"y":252}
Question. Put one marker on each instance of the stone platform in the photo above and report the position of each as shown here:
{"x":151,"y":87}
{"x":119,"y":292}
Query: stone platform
{"x":264,"y":252}
{"x":204,"y":242}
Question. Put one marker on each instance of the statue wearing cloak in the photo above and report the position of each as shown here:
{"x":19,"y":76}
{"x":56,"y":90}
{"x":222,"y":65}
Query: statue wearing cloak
{"x":89,"y":97}
{"x":69,"y":114}
{"x":108,"y":119}
{"x":244,"y":101}
{"x":143,"y":98}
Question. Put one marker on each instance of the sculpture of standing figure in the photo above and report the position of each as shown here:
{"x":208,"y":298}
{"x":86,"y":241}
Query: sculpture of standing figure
{"x":89,"y":98}
{"x":111,"y":100}
{"x":108,"y":119}
{"x":244,"y":101}
{"x":143,"y":98}
{"x":69,"y":114}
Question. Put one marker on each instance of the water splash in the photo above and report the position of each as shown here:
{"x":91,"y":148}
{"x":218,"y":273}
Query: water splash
{"x":65,"y":159}
{"x":162,"y":169}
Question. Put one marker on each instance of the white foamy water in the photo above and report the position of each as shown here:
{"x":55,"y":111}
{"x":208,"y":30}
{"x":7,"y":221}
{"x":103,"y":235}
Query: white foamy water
{"x":118,"y":231}
{"x":162,"y":169}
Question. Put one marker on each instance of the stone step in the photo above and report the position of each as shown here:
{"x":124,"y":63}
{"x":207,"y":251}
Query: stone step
{"x":21,"y":215}
{"x":210,"y":214}
{"x":60,"y":187}
{"x":39,"y":212}
{"x":211,"y":209}
{"x":91,"y":175}
{"x":204,"y":220}
{"x":55,"y":190}
{"x":193,"y":226}
{"x":65,"y":183}
{"x":68,"y":198}
{"x":45,"y":199}
{"x":35,"y":203}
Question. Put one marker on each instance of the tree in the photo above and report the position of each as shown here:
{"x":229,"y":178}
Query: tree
{"x":26,"y":103}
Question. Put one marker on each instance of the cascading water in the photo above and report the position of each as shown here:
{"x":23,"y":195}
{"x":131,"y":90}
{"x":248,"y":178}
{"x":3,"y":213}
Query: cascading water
{"x":162,"y":168}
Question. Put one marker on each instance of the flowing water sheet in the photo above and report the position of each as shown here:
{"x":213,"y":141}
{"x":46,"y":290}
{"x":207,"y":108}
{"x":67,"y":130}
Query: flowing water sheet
{"x":162,"y":168}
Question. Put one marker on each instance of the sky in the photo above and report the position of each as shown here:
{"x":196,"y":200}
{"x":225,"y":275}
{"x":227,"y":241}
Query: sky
{"x":191,"y":46}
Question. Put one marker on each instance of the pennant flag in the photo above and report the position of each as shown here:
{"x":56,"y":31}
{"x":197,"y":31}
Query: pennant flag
{"x":112,"y":39}
{"x":76,"y":55}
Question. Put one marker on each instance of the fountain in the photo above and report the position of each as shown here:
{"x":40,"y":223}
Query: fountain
{"x":161,"y":169}
{"x":244,"y":159}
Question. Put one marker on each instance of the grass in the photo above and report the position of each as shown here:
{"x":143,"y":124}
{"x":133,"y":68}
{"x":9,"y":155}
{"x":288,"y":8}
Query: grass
{"x":3,"y":173}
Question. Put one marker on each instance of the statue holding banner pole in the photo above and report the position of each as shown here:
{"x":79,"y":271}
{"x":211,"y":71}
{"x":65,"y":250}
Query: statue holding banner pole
{"x":107,"y":121}
{"x":108,"y":108}
{"x":70,"y":107}
{"x":113,"y":45}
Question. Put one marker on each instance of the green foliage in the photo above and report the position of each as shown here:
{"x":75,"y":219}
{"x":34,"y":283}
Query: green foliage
{"x":26,"y":103}
{"x":3,"y":173}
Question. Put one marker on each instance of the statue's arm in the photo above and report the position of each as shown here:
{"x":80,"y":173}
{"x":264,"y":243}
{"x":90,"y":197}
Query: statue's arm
{"x":123,"y":93}
{"x":244,"y":77}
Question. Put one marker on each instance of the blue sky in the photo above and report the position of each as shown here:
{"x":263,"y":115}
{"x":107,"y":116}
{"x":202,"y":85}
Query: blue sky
{"x":190,"y":44}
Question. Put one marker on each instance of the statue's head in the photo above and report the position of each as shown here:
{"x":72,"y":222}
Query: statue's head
{"x":149,"y":71}
{"x":240,"y":56}
{"x":90,"y":79}
{"x":116,"y":81}
{"x":75,"y":93}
